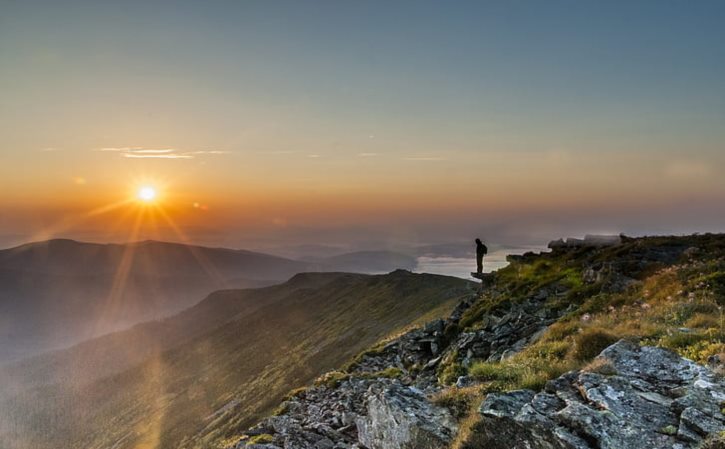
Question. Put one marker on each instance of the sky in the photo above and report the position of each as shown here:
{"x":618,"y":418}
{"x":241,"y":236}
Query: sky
{"x":362,"y":123}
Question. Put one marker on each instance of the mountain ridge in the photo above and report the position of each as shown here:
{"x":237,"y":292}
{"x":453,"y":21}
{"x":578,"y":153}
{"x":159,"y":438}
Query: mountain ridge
{"x":59,"y":292}
{"x":537,"y":361}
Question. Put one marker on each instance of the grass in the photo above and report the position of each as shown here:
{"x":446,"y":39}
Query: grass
{"x":261,"y":439}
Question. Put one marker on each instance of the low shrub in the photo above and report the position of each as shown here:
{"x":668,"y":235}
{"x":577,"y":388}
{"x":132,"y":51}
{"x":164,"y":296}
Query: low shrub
{"x":459,"y":401}
{"x":451,"y":373}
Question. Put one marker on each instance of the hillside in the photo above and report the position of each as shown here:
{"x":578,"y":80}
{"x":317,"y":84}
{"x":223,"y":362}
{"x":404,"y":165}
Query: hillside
{"x":60,"y":292}
{"x":589,"y":346}
{"x":255,"y":346}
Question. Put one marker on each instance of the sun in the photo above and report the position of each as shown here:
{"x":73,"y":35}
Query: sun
{"x":146,"y":194}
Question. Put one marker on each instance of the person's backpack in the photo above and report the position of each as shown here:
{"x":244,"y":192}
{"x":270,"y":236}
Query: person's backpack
{"x":485,"y":249}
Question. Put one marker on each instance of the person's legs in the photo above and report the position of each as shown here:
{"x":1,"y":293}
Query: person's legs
{"x":479,"y":261}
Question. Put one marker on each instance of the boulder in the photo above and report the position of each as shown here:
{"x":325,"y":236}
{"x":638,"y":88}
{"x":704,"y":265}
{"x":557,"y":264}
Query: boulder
{"x":401,"y":417}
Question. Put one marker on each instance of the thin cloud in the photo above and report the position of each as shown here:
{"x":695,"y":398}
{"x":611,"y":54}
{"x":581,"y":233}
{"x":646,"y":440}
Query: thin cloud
{"x":120,"y":149}
{"x":367,"y":154}
{"x":49,"y":149}
{"x":157,"y":153}
{"x":208,"y":152}
{"x":167,"y":150}
{"x":277,"y":152}
{"x":424,"y":158}
{"x":313,"y":156}
{"x":157,"y":156}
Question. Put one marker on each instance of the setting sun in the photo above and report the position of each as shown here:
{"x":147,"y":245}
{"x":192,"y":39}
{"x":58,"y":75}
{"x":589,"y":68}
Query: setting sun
{"x":146,"y":194}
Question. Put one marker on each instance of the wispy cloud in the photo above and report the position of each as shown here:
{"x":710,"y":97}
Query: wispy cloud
{"x":158,"y":153}
{"x":424,"y":158}
{"x":313,"y":156}
{"x":49,"y":149}
{"x":208,"y":152}
{"x":157,"y":156}
{"x":687,"y":170}
{"x":277,"y":152}
{"x":367,"y":154}
{"x":142,"y":151}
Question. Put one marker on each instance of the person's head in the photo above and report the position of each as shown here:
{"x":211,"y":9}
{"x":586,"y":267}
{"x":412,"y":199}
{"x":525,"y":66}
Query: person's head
{"x":478,"y":241}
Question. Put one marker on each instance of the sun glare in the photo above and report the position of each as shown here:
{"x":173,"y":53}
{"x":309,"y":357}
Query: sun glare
{"x":146,"y":194}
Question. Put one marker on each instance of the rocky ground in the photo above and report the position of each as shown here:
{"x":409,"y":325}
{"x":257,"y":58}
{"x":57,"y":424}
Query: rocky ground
{"x":630,"y":395}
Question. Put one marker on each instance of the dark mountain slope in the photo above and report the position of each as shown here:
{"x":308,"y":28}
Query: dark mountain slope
{"x":119,"y":351}
{"x":59,"y":292}
{"x":229,"y":377}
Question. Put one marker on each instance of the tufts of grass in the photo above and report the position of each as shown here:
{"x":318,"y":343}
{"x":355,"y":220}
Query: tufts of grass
{"x":451,"y":372}
{"x":295,"y":393}
{"x":332,"y":379}
{"x":460,"y":401}
{"x":264,"y":438}
{"x":519,"y":372}
{"x":600,"y":366}
{"x":590,"y":342}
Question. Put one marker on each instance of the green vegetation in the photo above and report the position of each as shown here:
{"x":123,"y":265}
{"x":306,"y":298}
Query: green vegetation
{"x":460,"y":401}
{"x":676,"y":304}
{"x":261,"y":439}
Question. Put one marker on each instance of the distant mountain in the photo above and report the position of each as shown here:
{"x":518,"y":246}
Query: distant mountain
{"x":59,"y":292}
{"x":368,"y":261}
{"x":221,"y":364}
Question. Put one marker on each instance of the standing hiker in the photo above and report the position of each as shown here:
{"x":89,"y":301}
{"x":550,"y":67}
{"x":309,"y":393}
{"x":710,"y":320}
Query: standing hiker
{"x":481,"y":251}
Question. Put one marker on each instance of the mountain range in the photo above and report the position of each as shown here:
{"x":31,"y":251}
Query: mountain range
{"x":60,"y":292}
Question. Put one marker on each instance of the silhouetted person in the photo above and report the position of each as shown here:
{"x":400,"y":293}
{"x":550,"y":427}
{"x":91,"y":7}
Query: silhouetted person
{"x":481,"y":251}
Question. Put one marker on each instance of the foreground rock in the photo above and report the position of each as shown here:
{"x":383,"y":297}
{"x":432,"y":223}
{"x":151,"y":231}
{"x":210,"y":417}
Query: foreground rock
{"x":638,"y":397}
{"x":402,"y":418}
{"x":356,"y":413}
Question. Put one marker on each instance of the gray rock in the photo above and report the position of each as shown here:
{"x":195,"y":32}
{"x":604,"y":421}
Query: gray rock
{"x":656,"y":399}
{"x":507,"y":404}
{"x":399,"y":417}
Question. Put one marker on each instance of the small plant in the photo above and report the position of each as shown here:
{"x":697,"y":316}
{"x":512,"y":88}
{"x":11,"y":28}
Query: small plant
{"x":332,"y":379}
{"x":488,"y":371}
{"x":264,"y":438}
{"x":600,"y":366}
{"x":458,"y":400}
{"x":295,"y":393}
{"x":392,"y":372}
{"x":590,"y":342}
{"x":451,"y":373}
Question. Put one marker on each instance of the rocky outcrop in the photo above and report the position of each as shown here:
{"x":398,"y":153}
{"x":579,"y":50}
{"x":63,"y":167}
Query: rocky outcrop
{"x":400,"y":417}
{"x":629,"y":397}
{"x":356,"y":413}
{"x":500,"y":337}
{"x":638,"y":397}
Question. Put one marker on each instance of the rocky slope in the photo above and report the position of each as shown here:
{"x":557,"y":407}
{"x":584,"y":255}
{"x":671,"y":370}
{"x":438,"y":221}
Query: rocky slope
{"x":580,"y":348}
